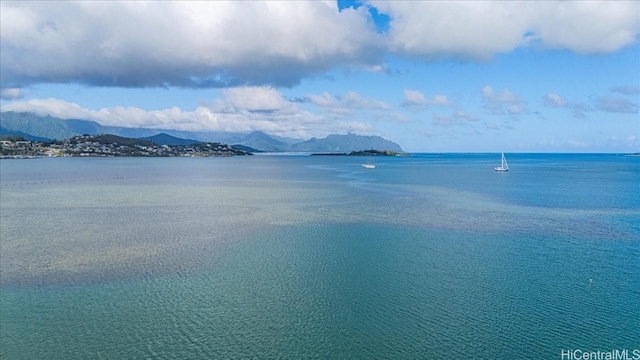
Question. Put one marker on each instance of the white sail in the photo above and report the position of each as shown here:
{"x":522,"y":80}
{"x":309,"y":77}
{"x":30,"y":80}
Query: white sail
{"x":503,"y":166}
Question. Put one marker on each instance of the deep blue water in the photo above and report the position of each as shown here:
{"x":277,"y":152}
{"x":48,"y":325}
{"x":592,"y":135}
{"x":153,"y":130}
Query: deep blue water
{"x":432,"y":256}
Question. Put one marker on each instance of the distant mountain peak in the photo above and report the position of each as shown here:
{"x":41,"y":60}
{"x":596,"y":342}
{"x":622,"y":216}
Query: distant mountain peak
{"x":166,"y":139}
{"x":55,"y":128}
{"x":347,"y":143}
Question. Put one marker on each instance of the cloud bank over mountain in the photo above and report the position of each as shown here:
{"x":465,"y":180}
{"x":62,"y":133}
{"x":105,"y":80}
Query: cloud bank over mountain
{"x":242,"y":109}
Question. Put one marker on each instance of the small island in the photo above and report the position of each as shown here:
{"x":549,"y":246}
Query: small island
{"x":365,"y":153}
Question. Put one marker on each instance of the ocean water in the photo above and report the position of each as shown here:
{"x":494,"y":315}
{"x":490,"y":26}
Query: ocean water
{"x":430,"y":256}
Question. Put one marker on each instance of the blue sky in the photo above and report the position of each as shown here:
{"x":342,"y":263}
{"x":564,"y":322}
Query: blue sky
{"x":551,"y":76}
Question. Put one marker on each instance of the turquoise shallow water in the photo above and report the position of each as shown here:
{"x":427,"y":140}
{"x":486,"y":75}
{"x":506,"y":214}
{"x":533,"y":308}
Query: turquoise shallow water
{"x":428,"y":256}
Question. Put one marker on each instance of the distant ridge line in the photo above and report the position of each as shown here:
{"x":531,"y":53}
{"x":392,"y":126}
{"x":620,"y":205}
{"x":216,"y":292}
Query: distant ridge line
{"x":52,"y":128}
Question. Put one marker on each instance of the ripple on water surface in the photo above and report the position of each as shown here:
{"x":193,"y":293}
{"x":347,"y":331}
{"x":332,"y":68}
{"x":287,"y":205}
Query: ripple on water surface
{"x":302,"y":261}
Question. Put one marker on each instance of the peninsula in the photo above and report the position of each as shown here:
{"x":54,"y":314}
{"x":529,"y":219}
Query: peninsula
{"x":110,"y":145}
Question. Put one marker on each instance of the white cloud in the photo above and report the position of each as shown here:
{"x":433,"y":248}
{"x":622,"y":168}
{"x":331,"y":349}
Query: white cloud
{"x":440,"y":100}
{"x":507,"y":97}
{"x":515,"y":109}
{"x":239,"y":110}
{"x":608,"y":103}
{"x":504,"y":102}
{"x":456,"y":118}
{"x":611,"y":25}
{"x":417,"y":98}
{"x":348,"y":102}
{"x":173,"y":118}
{"x":181,"y":43}
{"x":480,"y":29}
{"x":256,"y":99}
{"x":324,"y":100}
{"x":413,"y":97}
{"x":278,"y":43}
{"x":487,"y":92}
{"x":352,"y":105}
{"x":554,"y":100}
{"x":458,"y":28}
{"x":51,"y":106}
{"x":354,"y":100}
{"x":11,"y":93}
{"x":616,"y":104}
{"x":463,"y":115}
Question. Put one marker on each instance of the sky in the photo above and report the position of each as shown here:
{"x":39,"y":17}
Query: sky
{"x":433,"y":76}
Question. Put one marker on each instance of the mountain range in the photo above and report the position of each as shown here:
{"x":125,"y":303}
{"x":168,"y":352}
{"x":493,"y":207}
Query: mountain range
{"x":41,"y":128}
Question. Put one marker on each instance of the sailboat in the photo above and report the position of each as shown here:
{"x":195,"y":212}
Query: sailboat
{"x":369,"y":164}
{"x":504,"y":166}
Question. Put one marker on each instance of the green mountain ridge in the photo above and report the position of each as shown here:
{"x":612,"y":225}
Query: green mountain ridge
{"x":49,"y":127}
{"x":40,"y":126}
{"x":4,"y":133}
